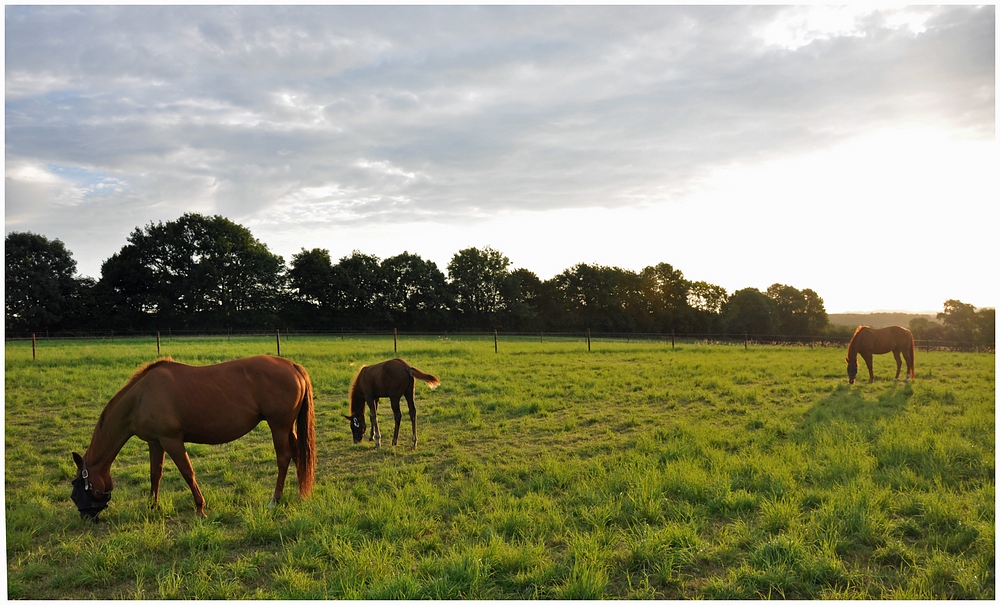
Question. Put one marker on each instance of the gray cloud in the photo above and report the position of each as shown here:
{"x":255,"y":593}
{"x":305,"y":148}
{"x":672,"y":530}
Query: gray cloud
{"x":351,"y":113}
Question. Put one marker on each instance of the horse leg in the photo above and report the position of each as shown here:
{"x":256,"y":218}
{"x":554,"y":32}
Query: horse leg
{"x":397,"y":415}
{"x":376,"y":434}
{"x":868,"y":362}
{"x":283,"y":449}
{"x":413,"y":417}
{"x":899,"y":364}
{"x":175,"y":447}
{"x":156,"y":455}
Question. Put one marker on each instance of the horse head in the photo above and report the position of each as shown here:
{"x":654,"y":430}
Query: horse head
{"x":852,"y":370}
{"x":357,"y":427}
{"x":91,"y":491}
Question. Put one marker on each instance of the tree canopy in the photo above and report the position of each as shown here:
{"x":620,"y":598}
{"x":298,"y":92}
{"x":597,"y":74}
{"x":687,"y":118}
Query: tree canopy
{"x":195,"y":272}
{"x":208,"y":273}
{"x":40,"y":289}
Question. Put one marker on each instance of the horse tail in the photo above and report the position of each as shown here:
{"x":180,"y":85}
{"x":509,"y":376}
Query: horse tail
{"x":913,"y":358}
{"x":431,"y":381}
{"x":305,"y":459}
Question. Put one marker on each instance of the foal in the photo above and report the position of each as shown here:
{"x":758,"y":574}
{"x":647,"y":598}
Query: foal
{"x":392,"y":379}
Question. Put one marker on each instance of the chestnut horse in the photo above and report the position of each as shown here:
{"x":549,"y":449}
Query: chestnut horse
{"x":868,"y":341}
{"x":392,"y":379}
{"x":167,"y":404}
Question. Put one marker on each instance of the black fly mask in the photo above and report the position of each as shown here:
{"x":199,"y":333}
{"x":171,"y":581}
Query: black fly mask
{"x":89,"y":501}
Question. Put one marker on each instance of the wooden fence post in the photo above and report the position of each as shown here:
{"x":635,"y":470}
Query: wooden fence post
{"x":277,"y":339}
{"x":32,"y":346}
{"x":588,"y":340}
{"x":496,"y":346}
{"x":394,"y":337}
{"x":157,"y":343}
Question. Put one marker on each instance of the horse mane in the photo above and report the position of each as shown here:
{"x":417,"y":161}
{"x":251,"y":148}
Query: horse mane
{"x":128,"y":386}
{"x":350,"y":394}
{"x":851,"y":346}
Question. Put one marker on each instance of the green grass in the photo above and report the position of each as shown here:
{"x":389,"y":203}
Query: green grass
{"x":632,"y":471}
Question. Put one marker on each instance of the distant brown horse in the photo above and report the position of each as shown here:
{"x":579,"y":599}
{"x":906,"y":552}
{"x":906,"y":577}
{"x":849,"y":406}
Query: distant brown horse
{"x":167,"y":404}
{"x":392,"y":379}
{"x":877,"y":341}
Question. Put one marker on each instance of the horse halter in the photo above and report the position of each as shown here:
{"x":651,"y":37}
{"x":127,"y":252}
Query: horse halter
{"x":852,"y":371}
{"x":357,"y":430}
{"x":89,"y":501}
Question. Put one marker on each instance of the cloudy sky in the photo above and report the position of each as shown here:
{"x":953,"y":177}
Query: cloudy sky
{"x":847,"y":150}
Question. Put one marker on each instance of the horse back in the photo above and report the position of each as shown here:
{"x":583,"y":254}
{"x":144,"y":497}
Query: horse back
{"x":385,"y":379}
{"x":216,"y":403}
{"x":879,"y":341}
{"x":894,"y":338}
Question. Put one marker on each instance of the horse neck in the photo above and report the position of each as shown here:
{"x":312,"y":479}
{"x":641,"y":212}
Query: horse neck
{"x":357,"y":402}
{"x":111,"y":433}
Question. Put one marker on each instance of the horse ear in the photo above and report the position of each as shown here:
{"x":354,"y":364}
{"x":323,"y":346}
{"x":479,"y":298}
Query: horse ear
{"x":78,"y":459}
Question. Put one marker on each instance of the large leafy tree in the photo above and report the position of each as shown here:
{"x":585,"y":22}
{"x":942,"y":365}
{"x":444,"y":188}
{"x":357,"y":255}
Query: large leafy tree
{"x":195,"y":272}
{"x":40,"y":290}
{"x":750,"y":311}
{"x":986,"y":327}
{"x":477,"y":278}
{"x":925,"y":329}
{"x":703,"y":296}
{"x":801,"y":312}
{"x":312,"y":277}
{"x":523,"y":292}
{"x":959,"y":320}
{"x":600,"y":298}
{"x":706,"y":301}
{"x":360,"y":291}
{"x":666,"y":292}
{"x":963,"y":324}
{"x":416,"y":291}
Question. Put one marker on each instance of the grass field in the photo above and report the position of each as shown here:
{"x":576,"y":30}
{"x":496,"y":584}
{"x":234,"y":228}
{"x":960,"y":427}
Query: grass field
{"x":545,"y":471}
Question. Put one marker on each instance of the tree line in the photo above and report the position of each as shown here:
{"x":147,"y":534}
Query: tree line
{"x":209,"y":273}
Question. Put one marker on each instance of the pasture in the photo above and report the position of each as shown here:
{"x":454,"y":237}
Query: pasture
{"x":632,"y":471}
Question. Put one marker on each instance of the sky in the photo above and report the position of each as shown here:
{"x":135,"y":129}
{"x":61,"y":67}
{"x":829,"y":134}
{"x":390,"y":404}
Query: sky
{"x":850,"y":150}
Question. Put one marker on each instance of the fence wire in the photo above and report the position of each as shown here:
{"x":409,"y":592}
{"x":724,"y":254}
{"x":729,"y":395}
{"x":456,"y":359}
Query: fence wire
{"x":673,"y":339}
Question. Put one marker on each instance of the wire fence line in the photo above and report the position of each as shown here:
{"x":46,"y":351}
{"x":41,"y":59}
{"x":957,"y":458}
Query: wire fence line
{"x":672,"y":339}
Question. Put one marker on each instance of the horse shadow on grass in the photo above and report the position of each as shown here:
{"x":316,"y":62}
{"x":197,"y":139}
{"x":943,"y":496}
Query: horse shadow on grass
{"x":849,"y":405}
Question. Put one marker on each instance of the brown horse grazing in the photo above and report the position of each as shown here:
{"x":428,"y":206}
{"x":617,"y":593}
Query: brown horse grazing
{"x":868,"y":341}
{"x":392,"y":379}
{"x":167,"y":404}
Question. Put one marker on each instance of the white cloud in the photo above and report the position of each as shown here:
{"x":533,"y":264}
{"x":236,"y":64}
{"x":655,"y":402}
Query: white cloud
{"x":800,"y":26}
